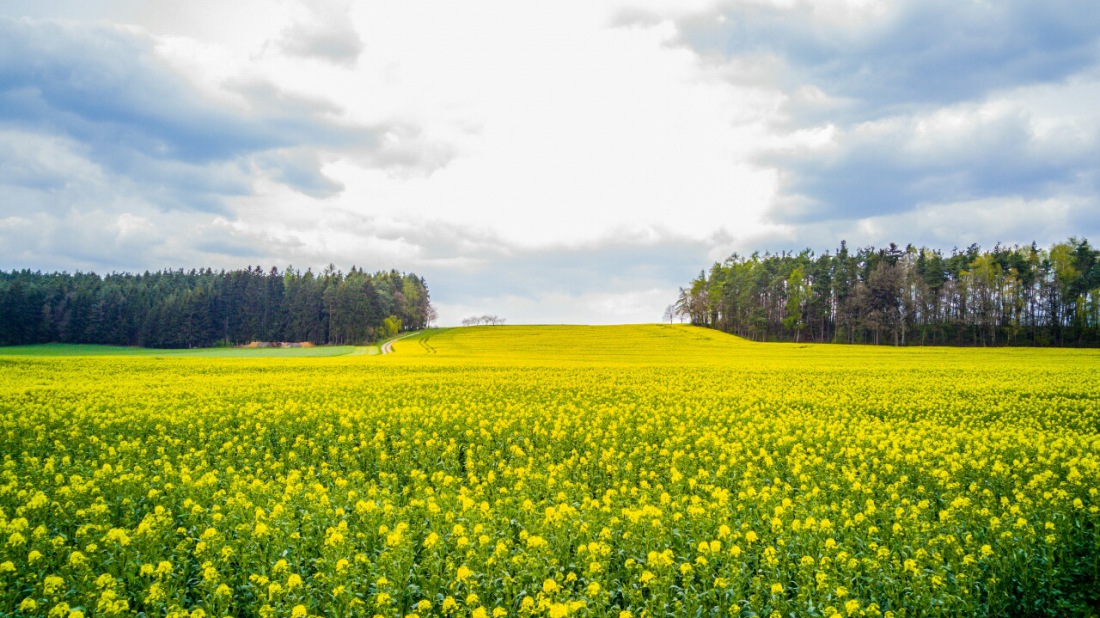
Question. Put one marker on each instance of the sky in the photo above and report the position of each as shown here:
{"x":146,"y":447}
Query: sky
{"x":573,"y":161}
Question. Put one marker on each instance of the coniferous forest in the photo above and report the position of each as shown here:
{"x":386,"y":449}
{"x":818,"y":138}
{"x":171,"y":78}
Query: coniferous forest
{"x":200,"y":308}
{"x":1018,"y":295}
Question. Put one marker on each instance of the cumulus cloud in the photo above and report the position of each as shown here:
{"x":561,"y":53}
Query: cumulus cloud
{"x":124,"y":238}
{"x":574,"y":162}
{"x":405,"y":150}
{"x":997,"y":149}
{"x":104,"y":88}
{"x":896,"y":106}
{"x":34,"y":163}
{"x":107,"y":150}
{"x":605,"y":282}
{"x":475,"y":269}
{"x":300,"y":168}
{"x":1009,"y":221}
{"x":644,"y":305}
{"x":900,"y":54}
{"x":325,"y":32}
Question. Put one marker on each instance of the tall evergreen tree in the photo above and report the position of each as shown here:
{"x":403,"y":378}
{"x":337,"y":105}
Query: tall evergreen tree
{"x":203,"y":308}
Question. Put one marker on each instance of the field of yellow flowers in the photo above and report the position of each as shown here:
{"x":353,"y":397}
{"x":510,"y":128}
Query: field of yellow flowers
{"x":554,"y":471}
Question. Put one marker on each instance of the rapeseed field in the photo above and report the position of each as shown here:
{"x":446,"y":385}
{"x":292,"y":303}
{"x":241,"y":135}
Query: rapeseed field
{"x":554,"y":471}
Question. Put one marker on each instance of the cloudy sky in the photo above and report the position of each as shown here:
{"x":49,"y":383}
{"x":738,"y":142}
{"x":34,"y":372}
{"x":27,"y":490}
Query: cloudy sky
{"x":549,"y":162}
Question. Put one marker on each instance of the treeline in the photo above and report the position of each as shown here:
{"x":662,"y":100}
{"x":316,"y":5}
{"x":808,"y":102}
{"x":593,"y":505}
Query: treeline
{"x":1003,"y":296}
{"x":201,"y":308}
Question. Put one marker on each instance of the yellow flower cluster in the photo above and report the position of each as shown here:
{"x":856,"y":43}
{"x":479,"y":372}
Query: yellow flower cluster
{"x":554,"y":471}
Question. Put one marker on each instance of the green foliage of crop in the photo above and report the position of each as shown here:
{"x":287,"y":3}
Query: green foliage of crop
{"x":62,"y":349}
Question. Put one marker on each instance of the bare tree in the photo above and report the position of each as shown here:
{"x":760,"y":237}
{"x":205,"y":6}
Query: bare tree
{"x":478,"y":320}
{"x":670,"y":313}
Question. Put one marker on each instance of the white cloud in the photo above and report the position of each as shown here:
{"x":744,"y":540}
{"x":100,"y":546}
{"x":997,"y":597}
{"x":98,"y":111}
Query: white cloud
{"x":1030,"y":143}
{"x":645,"y":305}
{"x":325,"y":31}
{"x":561,"y":162}
{"x":563,"y":127}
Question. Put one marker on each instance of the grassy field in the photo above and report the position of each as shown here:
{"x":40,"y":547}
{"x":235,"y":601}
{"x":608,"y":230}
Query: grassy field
{"x":554,"y":471}
{"x":64,"y":349}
